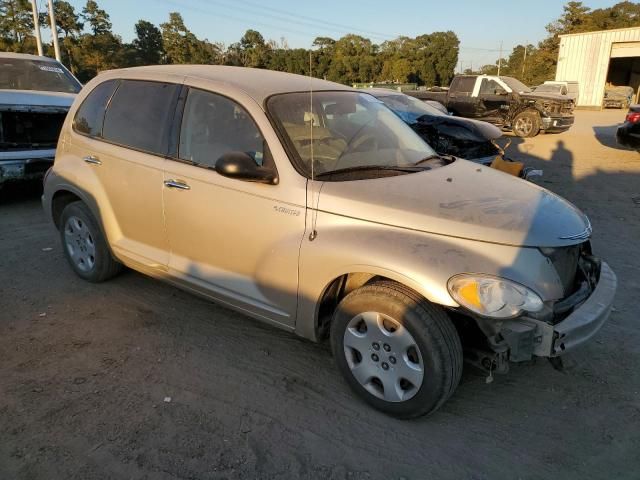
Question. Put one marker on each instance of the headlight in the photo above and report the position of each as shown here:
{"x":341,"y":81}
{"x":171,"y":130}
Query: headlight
{"x":493,"y":296}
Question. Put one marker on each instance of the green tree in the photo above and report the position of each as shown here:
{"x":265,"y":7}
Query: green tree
{"x":67,"y":20}
{"x":253,"y":50}
{"x":97,"y":18}
{"x":182,"y":46}
{"x":148,"y":43}
{"x":16,"y":23}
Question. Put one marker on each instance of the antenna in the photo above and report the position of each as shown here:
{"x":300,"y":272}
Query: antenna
{"x":314,"y":211}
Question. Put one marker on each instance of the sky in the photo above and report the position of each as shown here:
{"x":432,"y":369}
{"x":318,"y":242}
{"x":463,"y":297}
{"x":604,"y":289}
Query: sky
{"x":482,"y":26}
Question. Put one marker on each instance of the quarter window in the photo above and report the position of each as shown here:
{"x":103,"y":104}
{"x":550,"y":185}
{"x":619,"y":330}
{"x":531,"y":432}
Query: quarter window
{"x":140,"y":114}
{"x":213,"y":125}
{"x":90,"y":115}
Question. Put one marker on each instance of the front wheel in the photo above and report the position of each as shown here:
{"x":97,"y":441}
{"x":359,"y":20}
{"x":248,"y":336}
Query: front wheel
{"x":526,"y":124}
{"x":398,"y":352}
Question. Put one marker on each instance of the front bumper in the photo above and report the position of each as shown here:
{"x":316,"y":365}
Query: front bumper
{"x":26,"y":165}
{"x":557,"y":124}
{"x":529,"y":337}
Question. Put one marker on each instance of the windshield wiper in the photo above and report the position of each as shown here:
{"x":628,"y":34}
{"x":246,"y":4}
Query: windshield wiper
{"x":430,"y":157}
{"x":407,"y":169}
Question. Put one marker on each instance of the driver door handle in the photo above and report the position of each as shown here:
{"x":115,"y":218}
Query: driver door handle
{"x":176,"y":184}
{"x":92,"y":159}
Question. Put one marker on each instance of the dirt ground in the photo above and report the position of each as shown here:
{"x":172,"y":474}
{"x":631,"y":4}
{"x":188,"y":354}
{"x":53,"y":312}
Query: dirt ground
{"x":85,"y":369}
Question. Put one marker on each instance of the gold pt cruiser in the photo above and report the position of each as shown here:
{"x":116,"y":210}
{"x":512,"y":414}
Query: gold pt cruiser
{"x":313,"y":207}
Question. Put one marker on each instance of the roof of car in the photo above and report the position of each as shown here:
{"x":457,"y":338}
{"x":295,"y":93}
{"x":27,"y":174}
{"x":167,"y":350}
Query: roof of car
{"x":257,"y":83}
{"x":26,"y":56}
{"x":381,"y":92}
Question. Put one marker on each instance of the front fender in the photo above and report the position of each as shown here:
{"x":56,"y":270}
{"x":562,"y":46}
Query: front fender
{"x":423,"y":262}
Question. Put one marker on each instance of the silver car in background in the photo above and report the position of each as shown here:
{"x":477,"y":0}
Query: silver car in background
{"x":313,"y":207}
{"x":35,"y":96}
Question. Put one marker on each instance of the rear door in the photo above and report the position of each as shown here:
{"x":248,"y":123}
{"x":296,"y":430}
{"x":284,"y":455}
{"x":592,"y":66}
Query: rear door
{"x":233,"y":240}
{"x":127,"y":156}
{"x":460,"y":99}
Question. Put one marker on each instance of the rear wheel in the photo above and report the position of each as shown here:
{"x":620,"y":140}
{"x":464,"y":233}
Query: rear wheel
{"x":526,"y":124}
{"x":398,"y":352}
{"x":84,"y":245}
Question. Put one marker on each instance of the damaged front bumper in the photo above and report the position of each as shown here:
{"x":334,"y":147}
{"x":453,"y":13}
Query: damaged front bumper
{"x":527,"y":337}
{"x":25,"y":165}
{"x":557,"y":124}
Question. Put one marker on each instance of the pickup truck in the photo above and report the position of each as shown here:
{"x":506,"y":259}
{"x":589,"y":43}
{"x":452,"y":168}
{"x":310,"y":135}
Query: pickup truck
{"x":505,"y":102}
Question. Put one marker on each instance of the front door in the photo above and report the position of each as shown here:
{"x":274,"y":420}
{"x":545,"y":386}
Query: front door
{"x":233,"y":240}
{"x":494,"y":101}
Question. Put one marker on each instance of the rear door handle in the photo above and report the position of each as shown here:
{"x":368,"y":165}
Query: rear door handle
{"x":176,"y":184}
{"x":92,"y":159}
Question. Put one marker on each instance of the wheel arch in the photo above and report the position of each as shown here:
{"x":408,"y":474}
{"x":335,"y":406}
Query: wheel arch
{"x":67,"y":194}
{"x":340,"y":285}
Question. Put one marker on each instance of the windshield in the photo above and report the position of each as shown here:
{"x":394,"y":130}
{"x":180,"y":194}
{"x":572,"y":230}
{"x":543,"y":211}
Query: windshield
{"x":22,"y":74}
{"x":408,"y":108}
{"x":345,"y":130}
{"x":516,"y":85}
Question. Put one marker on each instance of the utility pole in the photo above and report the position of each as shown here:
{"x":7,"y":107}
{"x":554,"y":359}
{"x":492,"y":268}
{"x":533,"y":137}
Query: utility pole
{"x":54,"y":31}
{"x":500,"y":59}
{"x":36,"y":26}
{"x":524,"y":60}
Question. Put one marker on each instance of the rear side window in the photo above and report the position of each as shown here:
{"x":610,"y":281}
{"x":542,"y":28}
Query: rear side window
{"x":90,"y":115}
{"x":139,"y":115}
{"x":464,"y":84}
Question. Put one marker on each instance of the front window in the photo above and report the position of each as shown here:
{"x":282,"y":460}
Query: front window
{"x":337,"y":131}
{"x":515,"y":85}
{"x":213,"y":125}
{"x":22,"y":74}
{"x":410,"y":109}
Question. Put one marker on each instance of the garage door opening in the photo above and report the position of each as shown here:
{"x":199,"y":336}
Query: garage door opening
{"x":624,"y":71}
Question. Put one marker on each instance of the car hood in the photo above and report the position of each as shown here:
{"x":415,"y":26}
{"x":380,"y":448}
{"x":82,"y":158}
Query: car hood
{"x":477,"y":131}
{"x":462,"y":199}
{"x":546,"y":96}
{"x":27,"y":99}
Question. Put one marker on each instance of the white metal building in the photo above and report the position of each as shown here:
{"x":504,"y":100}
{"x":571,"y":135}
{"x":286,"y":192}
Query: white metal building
{"x":596,"y":59}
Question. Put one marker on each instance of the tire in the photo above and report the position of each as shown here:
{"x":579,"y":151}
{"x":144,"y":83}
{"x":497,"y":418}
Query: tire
{"x":84,"y":244}
{"x":526,"y":124}
{"x":406,"y":372}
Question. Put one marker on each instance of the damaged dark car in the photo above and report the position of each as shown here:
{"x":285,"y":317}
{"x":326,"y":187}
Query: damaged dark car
{"x":448,"y":135}
{"x":505,"y":102}
{"x":35,"y":96}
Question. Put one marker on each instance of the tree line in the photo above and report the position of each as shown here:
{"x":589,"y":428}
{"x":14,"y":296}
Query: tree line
{"x":534,"y":64}
{"x":88,"y":45}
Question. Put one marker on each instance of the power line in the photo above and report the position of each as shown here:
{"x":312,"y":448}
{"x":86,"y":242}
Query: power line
{"x":302,"y":20}
{"x":237,"y":19}
{"x":314,"y":20}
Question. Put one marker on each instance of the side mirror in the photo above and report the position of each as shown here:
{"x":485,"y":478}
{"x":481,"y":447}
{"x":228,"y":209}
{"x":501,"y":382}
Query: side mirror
{"x":240,"y":165}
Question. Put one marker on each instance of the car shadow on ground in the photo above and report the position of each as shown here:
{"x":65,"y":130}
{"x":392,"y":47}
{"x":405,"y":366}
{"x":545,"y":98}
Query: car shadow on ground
{"x":606,"y":135}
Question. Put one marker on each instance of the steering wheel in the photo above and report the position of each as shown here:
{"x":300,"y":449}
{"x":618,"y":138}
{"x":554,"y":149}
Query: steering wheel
{"x":360,"y":138}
